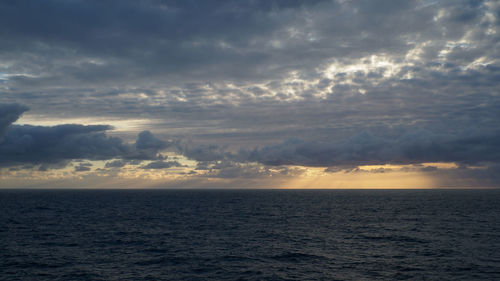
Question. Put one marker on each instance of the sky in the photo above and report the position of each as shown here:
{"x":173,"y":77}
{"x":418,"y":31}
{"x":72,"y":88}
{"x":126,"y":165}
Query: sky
{"x":250,"y":94}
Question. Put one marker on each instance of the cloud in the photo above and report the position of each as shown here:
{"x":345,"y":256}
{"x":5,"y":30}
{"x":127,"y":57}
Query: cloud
{"x":37,"y":144}
{"x":55,"y":145}
{"x":9,"y":113}
{"x":115,"y":164}
{"x":46,"y":166}
{"x":257,"y":70}
{"x":146,"y":140}
{"x":161,"y":165}
{"x":204,"y":152}
{"x":228,"y":169}
{"x":412,"y":147}
{"x":83,"y":167}
{"x":487,"y":175}
{"x":299,"y":80}
{"x":429,"y":169}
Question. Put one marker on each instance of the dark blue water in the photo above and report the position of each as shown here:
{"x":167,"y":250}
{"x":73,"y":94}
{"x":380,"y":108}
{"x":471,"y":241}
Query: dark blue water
{"x":249,"y":235}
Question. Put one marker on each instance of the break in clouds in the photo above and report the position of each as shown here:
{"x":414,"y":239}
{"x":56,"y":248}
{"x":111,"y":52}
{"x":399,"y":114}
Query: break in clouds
{"x":251,"y":87}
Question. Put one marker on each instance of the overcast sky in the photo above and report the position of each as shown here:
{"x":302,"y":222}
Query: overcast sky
{"x":249,"y":93}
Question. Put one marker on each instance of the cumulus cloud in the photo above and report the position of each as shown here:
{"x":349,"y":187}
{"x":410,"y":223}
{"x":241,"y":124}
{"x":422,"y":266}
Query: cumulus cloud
{"x":146,"y":140}
{"x":83,"y":167}
{"x":37,"y":144}
{"x":115,"y":164}
{"x":156,"y":165}
{"x":56,"y":145}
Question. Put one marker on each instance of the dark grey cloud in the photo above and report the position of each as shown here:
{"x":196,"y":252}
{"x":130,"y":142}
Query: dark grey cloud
{"x":37,"y":144}
{"x":9,"y":113}
{"x":411,"y":147}
{"x":146,"y":37}
{"x":204,"y":152}
{"x":156,"y":165}
{"x":368,"y":149}
{"x":83,"y":167}
{"x":115,"y":164}
{"x":146,"y":140}
{"x":57,"y":145}
{"x":45,"y":166}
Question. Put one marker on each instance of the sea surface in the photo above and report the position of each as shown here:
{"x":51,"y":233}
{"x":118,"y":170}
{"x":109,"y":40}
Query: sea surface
{"x":249,"y":235}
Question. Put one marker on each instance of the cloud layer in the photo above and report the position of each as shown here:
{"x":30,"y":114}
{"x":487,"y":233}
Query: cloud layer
{"x":366,"y":149}
{"x":311,"y":83}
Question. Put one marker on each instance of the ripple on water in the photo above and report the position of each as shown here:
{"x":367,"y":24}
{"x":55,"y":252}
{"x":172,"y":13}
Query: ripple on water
{"x":249,"y":235}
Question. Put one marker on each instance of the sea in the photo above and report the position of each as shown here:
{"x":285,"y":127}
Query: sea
{"x":249,"y":234}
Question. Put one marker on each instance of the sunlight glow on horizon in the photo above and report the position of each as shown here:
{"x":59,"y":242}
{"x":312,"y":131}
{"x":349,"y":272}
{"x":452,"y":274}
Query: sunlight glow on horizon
{"x":363,"y":177}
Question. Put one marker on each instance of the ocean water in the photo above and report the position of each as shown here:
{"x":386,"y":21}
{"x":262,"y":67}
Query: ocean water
{"x":249,"y":235}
